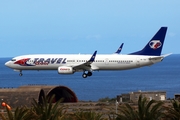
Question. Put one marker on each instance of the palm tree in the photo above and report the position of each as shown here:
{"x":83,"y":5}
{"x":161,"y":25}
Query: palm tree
{"x":147,"y":110}
{"x":173,"y":113}
{"x":2,"y":116}
{"x":20,"y":113}
{"x":87,"y":115}
{"x":47,"y":110}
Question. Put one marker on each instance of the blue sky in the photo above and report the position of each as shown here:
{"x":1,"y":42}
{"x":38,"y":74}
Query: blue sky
{"x":82,"y":26}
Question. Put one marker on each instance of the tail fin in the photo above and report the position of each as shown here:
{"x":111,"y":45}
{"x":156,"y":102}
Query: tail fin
{"x":119,"y":49}
{"x":155,"y":45}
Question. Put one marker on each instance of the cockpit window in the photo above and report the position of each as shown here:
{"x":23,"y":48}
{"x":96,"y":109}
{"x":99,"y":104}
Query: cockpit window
{"x":13,"y":60}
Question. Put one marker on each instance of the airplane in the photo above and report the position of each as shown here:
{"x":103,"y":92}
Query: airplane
{"x":119,"y":49}
{"x":87,"y":63}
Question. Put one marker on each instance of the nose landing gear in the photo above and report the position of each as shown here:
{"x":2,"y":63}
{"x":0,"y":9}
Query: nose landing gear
{"x":20,"y":74}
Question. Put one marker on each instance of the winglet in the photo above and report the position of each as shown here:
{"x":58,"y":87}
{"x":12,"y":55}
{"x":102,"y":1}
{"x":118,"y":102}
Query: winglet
{"x":93,"y":57}
{"x":119,"y":49}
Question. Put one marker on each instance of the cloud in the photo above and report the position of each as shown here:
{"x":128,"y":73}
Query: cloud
{"x":93,"y":37}
{"x":171,"y":34}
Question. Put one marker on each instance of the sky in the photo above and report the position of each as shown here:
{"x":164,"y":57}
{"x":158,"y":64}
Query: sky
{"x":83,"y":26}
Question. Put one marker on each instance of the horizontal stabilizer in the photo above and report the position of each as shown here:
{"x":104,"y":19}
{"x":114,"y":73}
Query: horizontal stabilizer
{"x":166,"y":55}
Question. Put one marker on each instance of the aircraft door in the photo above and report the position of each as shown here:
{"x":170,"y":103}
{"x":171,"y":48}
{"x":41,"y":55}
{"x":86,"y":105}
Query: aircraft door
{"x":138,"y":61}
{"x":106,"y":61}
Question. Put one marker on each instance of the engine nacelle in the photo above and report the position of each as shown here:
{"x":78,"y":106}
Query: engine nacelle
{"x":65,"y":70}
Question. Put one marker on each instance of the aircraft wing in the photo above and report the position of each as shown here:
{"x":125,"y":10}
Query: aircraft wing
{"x":87,"y":65}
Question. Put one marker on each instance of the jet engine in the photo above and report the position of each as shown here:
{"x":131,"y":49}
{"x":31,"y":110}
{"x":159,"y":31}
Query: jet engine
{"x":65,"y":70}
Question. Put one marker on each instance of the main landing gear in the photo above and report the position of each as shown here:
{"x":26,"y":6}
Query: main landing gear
{"x":84,"y":75}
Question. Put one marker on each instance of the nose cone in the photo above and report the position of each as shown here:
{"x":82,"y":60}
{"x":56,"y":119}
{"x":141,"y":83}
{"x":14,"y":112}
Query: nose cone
{"x":7,"y":64}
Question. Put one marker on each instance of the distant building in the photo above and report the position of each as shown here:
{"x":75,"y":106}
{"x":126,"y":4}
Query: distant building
{"x":177,"y":96}
{"x":134,"y":96}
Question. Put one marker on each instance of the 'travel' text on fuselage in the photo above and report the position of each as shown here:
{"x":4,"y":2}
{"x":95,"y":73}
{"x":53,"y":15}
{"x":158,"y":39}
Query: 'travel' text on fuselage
{"x":43,"y":61}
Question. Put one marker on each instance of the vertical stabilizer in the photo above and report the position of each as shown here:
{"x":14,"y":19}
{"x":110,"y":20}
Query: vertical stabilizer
{"x":155,"y":45}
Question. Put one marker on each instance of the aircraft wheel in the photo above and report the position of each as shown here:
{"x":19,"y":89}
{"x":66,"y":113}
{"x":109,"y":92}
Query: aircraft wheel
{"x":89,"y":73}
{"x":20,"y":74}
{"x":84,"y":75}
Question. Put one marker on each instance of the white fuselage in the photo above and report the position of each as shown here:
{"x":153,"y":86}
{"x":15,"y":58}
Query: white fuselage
{"x":102,"y":61}
{"x":71,"y":63}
